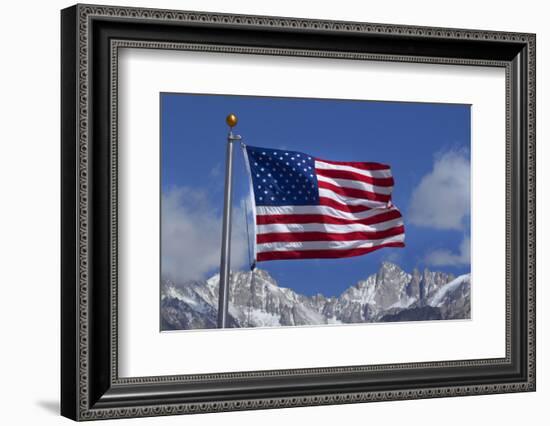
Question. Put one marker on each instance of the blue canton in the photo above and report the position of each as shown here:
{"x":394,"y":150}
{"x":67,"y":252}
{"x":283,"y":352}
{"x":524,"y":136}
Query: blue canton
{"x":282,"y":178}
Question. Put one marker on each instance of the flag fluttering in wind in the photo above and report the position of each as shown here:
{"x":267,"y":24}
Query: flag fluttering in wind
{"x":308,"y":208}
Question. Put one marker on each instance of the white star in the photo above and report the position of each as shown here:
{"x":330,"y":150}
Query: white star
{"x":272,"y":198}
{"x":297,"y":155}
{"x":286,"y":153}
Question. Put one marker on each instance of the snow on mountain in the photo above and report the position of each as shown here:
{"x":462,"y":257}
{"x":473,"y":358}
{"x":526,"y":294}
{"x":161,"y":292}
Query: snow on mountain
{"x":453,"y":299}
{"x":440,"y":295}
{"x":257,"y":300}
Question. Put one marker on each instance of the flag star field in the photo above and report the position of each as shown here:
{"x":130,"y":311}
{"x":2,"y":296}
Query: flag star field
{"x":282,"y":177}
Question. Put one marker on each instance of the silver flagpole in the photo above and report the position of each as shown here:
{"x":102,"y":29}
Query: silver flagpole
{"x":225,"y":261}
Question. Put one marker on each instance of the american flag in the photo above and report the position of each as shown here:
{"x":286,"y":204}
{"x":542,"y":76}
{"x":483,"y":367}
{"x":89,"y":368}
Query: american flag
{"x":307,"y":208}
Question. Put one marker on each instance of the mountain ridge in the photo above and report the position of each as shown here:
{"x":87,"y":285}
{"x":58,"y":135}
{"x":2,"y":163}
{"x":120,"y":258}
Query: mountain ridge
{"x":257,"y":300}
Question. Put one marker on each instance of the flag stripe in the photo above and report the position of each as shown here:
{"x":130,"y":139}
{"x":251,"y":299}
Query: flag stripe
{"x":320,"y":218}
{"x":327,"y":236}
{"x":349,"y":208}
{"x":354,"y":184}
{"x":355,"y":193}
{"x":357,"y":164}
{"x":350,"y":201}
{"x":380,"y":173}
{"x":327,"y":211}
{"x":322,"y":254}
{"x":346,"y":174}
{"x":323,"y":227}
{"x":324,"y":245}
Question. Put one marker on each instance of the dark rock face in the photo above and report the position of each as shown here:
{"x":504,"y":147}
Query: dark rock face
{"x":424,"y":313}
{"x":256,"y":300}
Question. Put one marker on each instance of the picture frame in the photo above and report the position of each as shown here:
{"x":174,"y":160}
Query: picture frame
{"x":91,"y":37}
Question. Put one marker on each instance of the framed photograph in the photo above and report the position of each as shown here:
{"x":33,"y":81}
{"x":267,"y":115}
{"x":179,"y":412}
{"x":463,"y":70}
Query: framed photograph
{"x":263,"y":212}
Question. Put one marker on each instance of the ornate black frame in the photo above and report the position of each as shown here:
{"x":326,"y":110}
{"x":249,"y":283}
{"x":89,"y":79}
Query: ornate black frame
{"x":91,"y":37}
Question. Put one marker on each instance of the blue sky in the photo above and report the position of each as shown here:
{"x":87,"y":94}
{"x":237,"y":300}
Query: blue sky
{"x":427,"y":146}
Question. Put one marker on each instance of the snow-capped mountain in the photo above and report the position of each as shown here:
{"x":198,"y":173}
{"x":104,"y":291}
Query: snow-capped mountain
{"x":256,"y":300}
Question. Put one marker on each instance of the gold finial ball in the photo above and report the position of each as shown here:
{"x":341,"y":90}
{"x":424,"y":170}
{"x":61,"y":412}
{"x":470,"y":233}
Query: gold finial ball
{"x":231,"y":120}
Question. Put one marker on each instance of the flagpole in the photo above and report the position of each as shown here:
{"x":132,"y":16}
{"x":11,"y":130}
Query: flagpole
{"x":225,"y":260}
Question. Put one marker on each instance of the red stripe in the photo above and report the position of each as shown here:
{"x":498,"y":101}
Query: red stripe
{"x":321,"y":254}
{"x":355,"y":193}
{"x":348,"y":208}
{"x":358,"y":164}
{"x":276,"y":237}
{"x":321,"y":218}
{"x":344,"y":174}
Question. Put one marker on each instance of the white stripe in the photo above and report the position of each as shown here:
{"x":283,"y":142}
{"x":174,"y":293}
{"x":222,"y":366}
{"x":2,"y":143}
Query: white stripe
{"x":327,"y":245}
{"x":322,"y":227}
{"x":385,"y":173}
{"x":352,"y":201}
{"x":323,"y":210}
{"x":356,"y":184}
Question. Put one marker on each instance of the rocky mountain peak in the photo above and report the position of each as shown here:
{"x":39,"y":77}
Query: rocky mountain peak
{"x":387,"y":266}
{"x":391,"y":274}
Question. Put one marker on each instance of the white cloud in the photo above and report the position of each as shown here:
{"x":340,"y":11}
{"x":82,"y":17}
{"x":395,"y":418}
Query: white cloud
{"x":442,"y":199}
{"x":444,"y":257}
{"x":191,"y":236}
{"x":216,"y":171}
